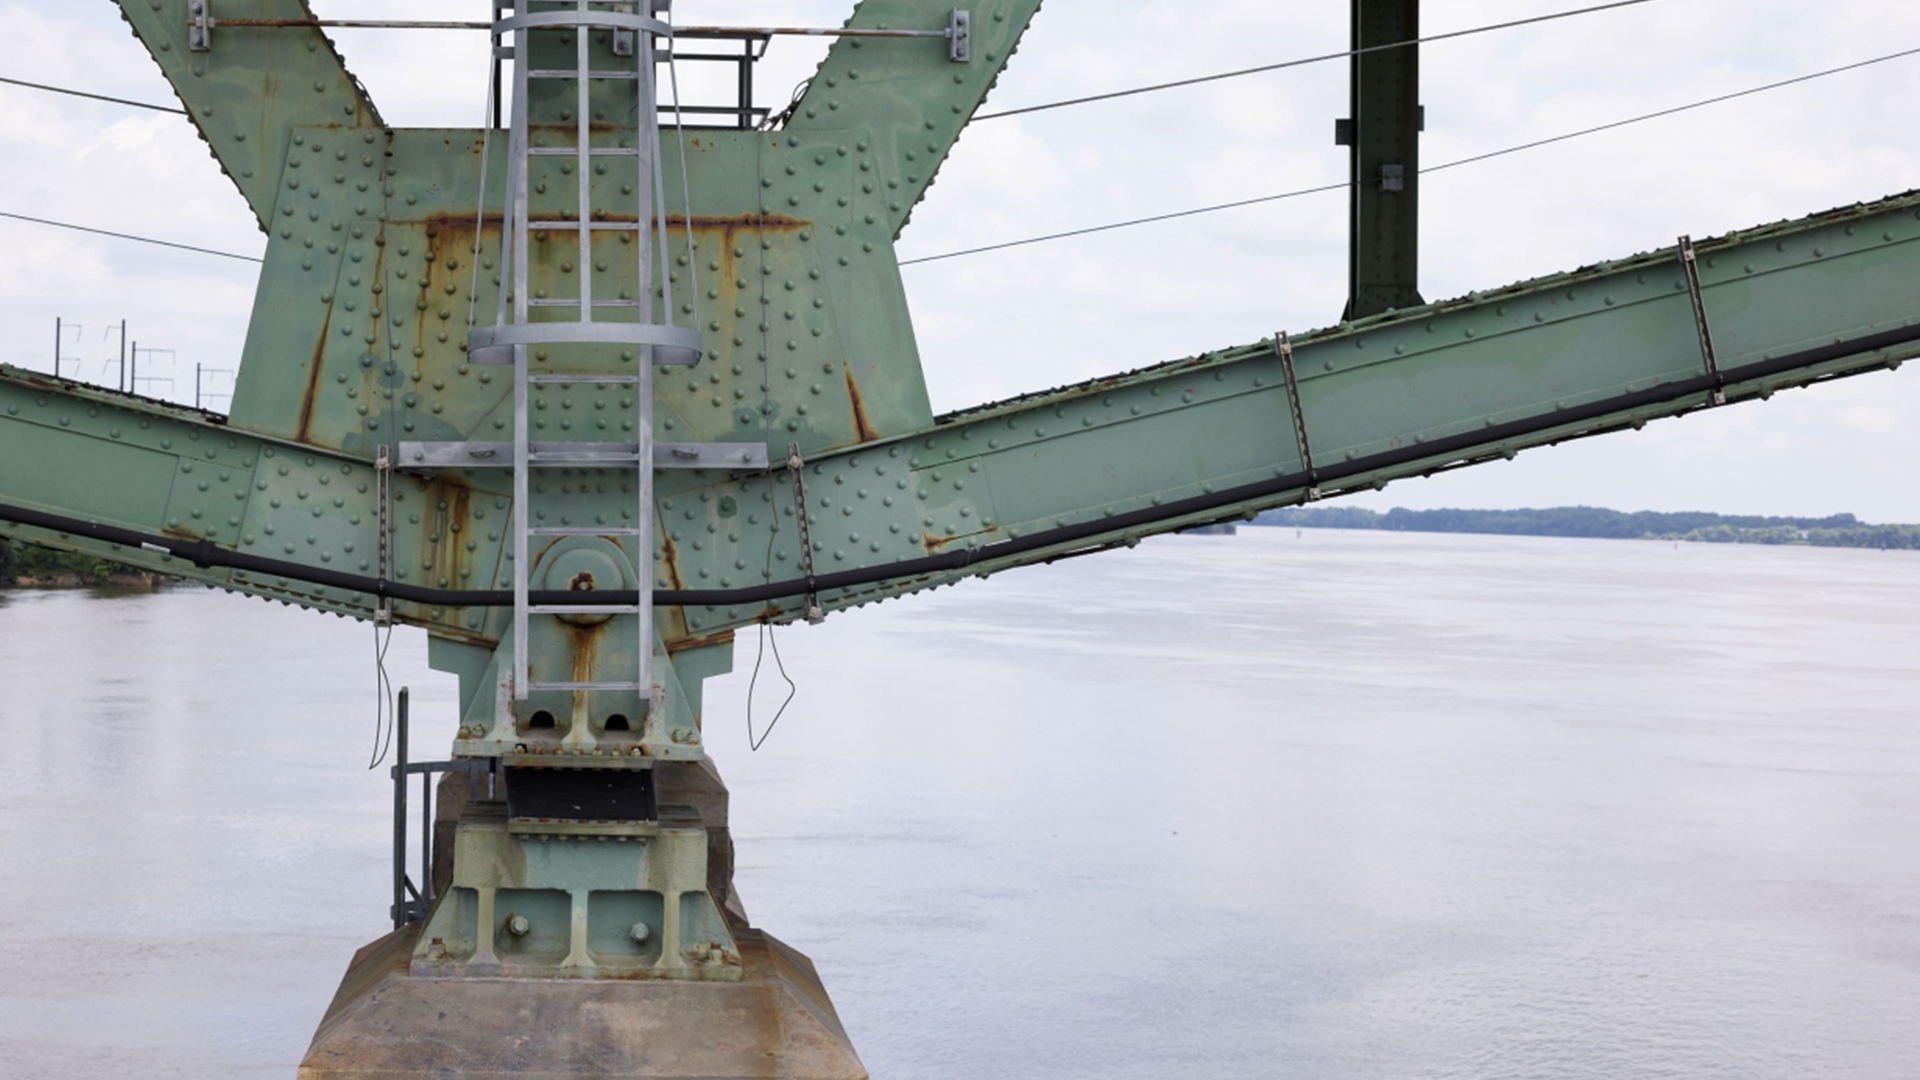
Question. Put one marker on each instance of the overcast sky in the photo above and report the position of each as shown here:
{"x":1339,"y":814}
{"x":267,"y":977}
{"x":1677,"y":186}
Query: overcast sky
{"x":997,"y":324}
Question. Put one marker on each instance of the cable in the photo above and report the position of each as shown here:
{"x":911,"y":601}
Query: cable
{"x":384,"y":717}
{"x":766,"y":430}
{"x":793,"y":688}
{"x":1430,"y":169}
{"x":686,"y":195}
{"x":1069,"y":101}
{"x":480,"y":211}
{"x":1129,"y":224}
{"x":1302,"y":62}
{"x":1676,"y":109}
{"x":1217,"y":206}
{"x":96,"y":97}
{"x":129,"y":236}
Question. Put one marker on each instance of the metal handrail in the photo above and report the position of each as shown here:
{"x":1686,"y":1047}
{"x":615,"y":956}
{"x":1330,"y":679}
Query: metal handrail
{"x":406,"y":911}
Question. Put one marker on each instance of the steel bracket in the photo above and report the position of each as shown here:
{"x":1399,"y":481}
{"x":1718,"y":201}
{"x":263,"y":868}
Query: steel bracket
{"x":795,"y":467}
{"x":960,"y":36}
{"x":1283,"y":349}
{"x":382,"y":479}
{"x":623,"y":39}
{"x":749,"y":457}
{"x":199,"y":25}
{"x":1690,"y":262}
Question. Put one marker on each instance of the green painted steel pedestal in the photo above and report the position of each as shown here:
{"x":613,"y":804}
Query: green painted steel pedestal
{"x":776,"y":1023}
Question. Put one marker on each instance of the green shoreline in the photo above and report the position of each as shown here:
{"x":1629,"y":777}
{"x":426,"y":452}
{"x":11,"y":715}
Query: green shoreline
{"x":28,"y":566}
{"x":1588,"y":522}
{"x":31,"y":566}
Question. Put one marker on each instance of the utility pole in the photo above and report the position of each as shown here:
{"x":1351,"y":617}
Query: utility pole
{"x":1383,"y":136}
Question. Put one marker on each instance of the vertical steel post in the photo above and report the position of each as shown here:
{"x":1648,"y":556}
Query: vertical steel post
{"x":746,"y":85}
{"x":426,"y":843}
{"x":57,"y":334}
{"x":1383,"y":137}
{"x":123,"y":354}
{"x":400,"y":817}
{"x":649,"y":162}
{"x":133,"y":368}
{"x":518,"y":228}
{"x":196,"y":386}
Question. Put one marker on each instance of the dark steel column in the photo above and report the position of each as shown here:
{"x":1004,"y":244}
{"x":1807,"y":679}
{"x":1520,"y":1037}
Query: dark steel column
{"x":400,"y":818}
{"x":1384,"y":136}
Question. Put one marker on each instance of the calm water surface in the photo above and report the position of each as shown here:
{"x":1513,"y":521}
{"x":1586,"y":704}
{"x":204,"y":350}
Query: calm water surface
{"x":1337,"y":805}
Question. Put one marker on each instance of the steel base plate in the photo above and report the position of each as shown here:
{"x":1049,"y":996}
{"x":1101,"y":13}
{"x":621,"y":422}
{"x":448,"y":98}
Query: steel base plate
{"x":775,"y":1024}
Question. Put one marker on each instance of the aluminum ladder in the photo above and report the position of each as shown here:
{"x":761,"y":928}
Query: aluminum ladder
{"x":513,"y":334}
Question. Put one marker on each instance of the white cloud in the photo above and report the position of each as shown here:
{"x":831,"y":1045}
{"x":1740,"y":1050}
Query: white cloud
{"x":1866,"y":418}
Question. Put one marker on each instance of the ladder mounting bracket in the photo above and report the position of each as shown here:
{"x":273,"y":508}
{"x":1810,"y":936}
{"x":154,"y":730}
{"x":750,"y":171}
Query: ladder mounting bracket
{"x":1690,"y":263}
{"x":1283,"y":348}
{"x":199,"y":25}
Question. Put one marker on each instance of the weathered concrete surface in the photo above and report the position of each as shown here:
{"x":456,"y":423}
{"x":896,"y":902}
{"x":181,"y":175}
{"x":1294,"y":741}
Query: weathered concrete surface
{"x":775,"y":1024}
{"x":698,"y":784}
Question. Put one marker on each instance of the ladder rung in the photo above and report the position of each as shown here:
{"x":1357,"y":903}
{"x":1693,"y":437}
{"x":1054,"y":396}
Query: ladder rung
{"x":583,"y":530}
{"x":567,"y":73}
{"x":577,"y":686}
{"x":617,"y":226}
{"x":574,"y":151}
{"x":582,"y":609}
{"x":557,"y":460}
{"x":562,"y":302}
{"x":613,"y":225}
{"x":499,"y":455}
{"x":583,"y":378}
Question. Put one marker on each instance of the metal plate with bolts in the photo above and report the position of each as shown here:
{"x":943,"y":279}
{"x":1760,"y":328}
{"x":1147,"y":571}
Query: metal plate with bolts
{"x":499,"y":455}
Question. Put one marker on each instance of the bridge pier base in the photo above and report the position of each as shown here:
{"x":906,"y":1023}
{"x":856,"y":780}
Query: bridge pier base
{"x":776,"y":1023}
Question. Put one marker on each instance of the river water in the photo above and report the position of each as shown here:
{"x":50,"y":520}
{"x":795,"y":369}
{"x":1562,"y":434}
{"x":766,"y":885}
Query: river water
{"x":1332,"y":805}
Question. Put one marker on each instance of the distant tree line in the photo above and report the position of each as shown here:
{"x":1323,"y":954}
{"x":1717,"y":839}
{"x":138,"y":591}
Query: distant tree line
{"x":30,"y":562}
{"x":1839,"y":530}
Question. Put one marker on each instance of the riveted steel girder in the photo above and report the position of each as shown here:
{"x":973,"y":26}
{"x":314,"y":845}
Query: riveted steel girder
{"x":1603,"y":348}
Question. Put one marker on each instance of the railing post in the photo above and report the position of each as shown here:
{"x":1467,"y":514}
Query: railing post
{"x":426,"y":843}
{"x":400,"y":816}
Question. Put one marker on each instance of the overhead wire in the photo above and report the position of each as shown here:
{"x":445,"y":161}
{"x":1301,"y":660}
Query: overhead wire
{"x":1239,"y":73}
{"x":95,"y":97}
{"x":129,"y":236}
{"x":1306,"y":60}
{"x":765,"y":630}
{"x":1212,"y":208}
{"x":1344,"y":185}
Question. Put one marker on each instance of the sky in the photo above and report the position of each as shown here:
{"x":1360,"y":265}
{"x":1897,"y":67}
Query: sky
{"x":998,"y":324}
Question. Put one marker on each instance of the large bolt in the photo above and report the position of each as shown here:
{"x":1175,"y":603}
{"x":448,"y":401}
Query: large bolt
{"x":641,"y":932}
{"x":517,"y":925}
